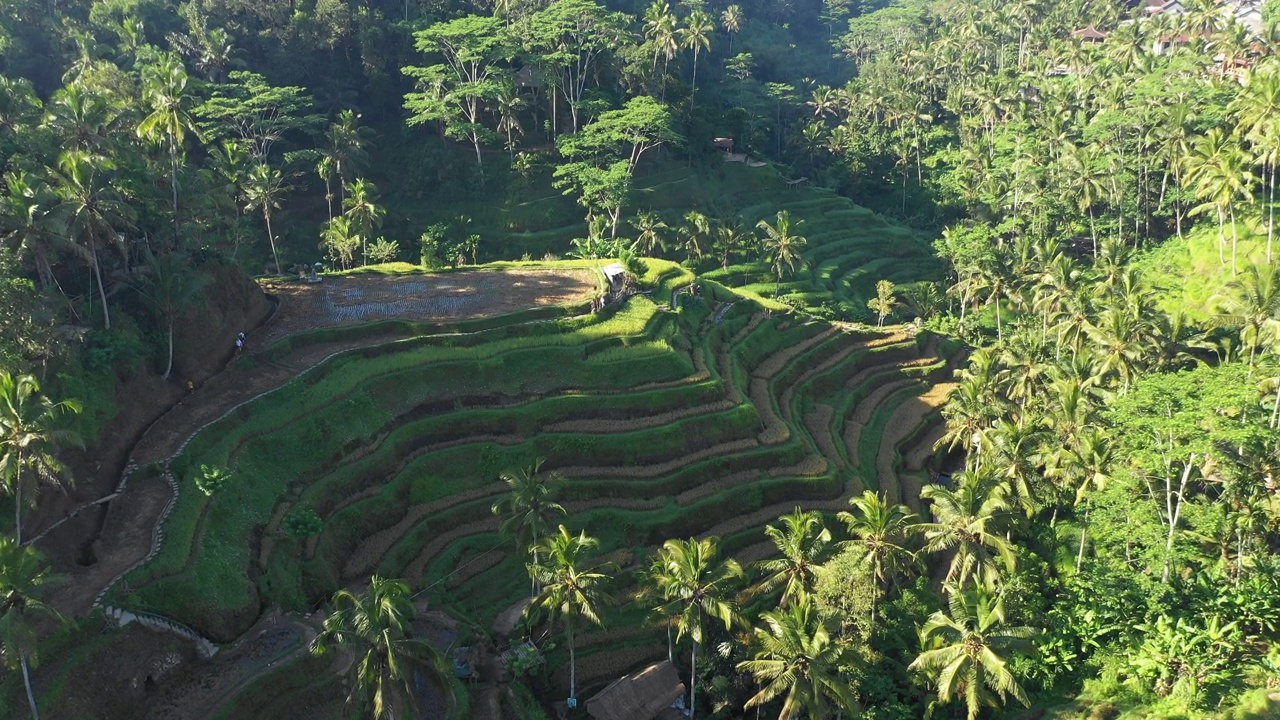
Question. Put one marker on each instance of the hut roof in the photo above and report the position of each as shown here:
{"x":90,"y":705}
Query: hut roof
{"x":638,"y":696}
{"x":1090,"y":33}
{"x":613,"y":270}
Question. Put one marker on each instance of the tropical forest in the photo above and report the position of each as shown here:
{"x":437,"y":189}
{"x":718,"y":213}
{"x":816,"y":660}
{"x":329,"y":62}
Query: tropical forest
{"x":639,"y":359}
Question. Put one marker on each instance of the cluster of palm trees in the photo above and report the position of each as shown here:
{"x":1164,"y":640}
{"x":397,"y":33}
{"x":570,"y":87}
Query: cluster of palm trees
{"x":1131,"y":141}
{"x":777,"y":243}
{"x":30,"y":434}
{"x":668,"y":34}
{"x":796,"y":651}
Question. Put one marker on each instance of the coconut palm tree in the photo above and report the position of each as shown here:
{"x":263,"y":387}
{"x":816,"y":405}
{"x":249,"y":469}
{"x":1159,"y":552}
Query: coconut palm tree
{"x":882,"y":533}
{"x":781,"y":245}
{"x":165,"y":93}
{"x":1219,"y":171}
{"x":263,"y":191}
{"x":967,"y":518}
{"x":529,"y":510}
{"x":966,"y":653}
{"x":373,"y":628}
{"x":1253,"y":306}
{"x":804,"y":543}
{"x":696,"y":36}
{"x":885,"y":301}
{"x":230,"y":161}
{"x":346,"y":144}
{"x":649,"y":228}
{"x":26,"y":223}
{"x":731,"y":20}
{"x":731,"y":237}
{"x":339,"y":241}
{"x":660,"y":29}
{"x":696,"y":586}
{"x":570,"y":591}
{"x":797,"y":660}
{"x":90,"y":211}
{"x":23,"y":580}
{"x":172,"y":286}
{"x":361,"y":209}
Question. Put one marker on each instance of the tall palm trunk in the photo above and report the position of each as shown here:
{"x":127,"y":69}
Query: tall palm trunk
{"x":1235,"y":237}
{"x":1271,"y":210}
{"x":168,"y":369}
{"x":17,"y":502}
{"x":26,"y":681}
{"x":693,"y":680}
{"x":1222,"y":236}
{"x":173,"y":182}
{"x":693,"y":94}
{"x":102,"y":292}
{"x":266,"y":215}
{"x":573,"y":667}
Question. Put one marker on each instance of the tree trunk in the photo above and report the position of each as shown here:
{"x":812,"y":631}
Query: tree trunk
{"x":328,"y":197}
{"x":1084,"y":529}
{"x":1173,"y":510}
{"x":1235,"y":236}
{"x":168,"y":369}
{"x":173,"y":176}
{"x":693,"y":93}
{"x":1093,"y":233}
{"x":573,"y":667}
{"x":266,"y":214}
{"x":693,"y":681}
{"x":26,"y":680}
{"x":102,"y":292}
{"x":1271,"y":210}
{"x":1222,"y":237}
{"x":17,"y":503}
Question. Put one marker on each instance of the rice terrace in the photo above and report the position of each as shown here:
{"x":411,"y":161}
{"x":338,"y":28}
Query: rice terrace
{"x":712,"y":417}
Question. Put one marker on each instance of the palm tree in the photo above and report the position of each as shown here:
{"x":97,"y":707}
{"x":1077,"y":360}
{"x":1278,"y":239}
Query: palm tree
{"x":966,"y":522}
{"x":885,"y":301}
{"x":90,"y":211}
{"x":660,"y":29}
{"x":966,"y":653}
{"x":697,"y":226}
{"x":1218,"y":168}
{"x":649,"y":228}
{"x":28,"y":438}
{"x":507,"y":104}
{"x":1256,"y":109}
{"x":804,"y":542}
{"x":694,"y":586}
{"x":339,"y":241}
{"x":731,"y":20}
{"x":230,"y":161}
{"x":373,"y":628}
{"x":361,"y":209}
{"x":1254,"y":306}
{"x":1086,"y":177}
{"x":23,"y":579}
{"x":730,"y":238}
{"x":696,"y":35}
{"x":263,"y":191}
{"x":782,"y":245}
{"x":347,"y":146}
{"x":797,"y":659}
{"x":881,"y":532}
{"x":27,"y":224}
{"x":172,"y":286}
{"x":529,"y":510}
{"x":569,"y":590}
{"x":327,"y":172}
{"x":165,"y":92}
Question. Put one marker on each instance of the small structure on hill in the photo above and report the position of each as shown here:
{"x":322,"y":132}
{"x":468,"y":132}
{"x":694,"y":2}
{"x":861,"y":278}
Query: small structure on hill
{"x":616,"y":275}
{"x":641,"y":695}
{"x":1091,"y":35}
{"x":724,"y":143}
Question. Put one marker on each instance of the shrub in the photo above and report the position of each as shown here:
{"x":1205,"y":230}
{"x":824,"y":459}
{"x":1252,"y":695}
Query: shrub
{"x":302,"y":522}
{"x":212,"y":478}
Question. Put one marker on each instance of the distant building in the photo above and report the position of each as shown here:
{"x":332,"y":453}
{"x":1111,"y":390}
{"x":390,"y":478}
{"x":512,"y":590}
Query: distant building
{"x":1090,"y":35}
{"x":642,"y":695}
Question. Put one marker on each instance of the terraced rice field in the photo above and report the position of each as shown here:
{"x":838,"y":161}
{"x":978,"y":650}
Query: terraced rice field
{"x":713,"y":419}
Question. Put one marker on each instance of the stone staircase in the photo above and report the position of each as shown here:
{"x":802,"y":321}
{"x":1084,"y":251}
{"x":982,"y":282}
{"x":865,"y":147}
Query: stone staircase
{"x":204,"y":647}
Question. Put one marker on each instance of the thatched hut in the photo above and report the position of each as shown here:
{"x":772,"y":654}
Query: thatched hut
{"x":639,"y":696}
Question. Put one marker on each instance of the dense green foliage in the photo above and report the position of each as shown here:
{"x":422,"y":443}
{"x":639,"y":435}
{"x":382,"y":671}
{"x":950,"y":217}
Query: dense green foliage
{"x":1109,"y":539}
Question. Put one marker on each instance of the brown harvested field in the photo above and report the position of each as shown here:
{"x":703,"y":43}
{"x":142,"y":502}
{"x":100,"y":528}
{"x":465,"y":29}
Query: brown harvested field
{"x":429,"y":297}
